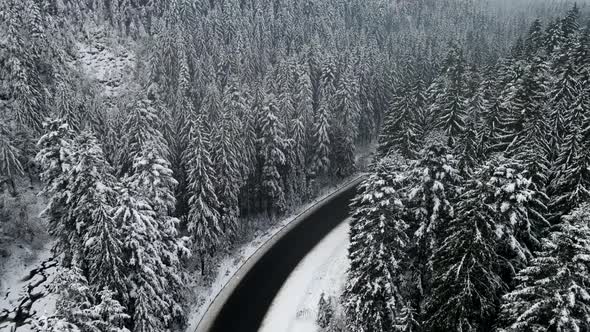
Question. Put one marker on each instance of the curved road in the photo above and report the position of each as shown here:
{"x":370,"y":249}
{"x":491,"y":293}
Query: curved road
{"x":245,"y":308}
{"x":323,"y":270}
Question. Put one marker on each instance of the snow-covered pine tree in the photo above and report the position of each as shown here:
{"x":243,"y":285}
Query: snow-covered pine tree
{"x":523,"y":99}
{"x":484,"y":107}
{"x":551,"y":293}
{"x":520,"y":213}
{"x":344,"y":128}
{"x":27,"y":72}
{"x":78,"y":308}
{"x":153,"y":178}
{"x":400,"y":128}
{"x":467,"y":147}
{"x":203,"y":220}
{"x":570,"y":23}
{"x":534,"y":40}
{"x":55,"y":159}
{"x":451,"y":102}
{"x":320,"y":159}
{"x":466,"y":284}
{"x":96,"y":238}
{"x":242,"y":122}
{"x":570,"y":185}
{"x":152,"y":181}
{"x":297,"y":143}
{"x":212,"y":106}
{"x":142,"y":126}
{"x":378,"y":250}
{"x":151,"y":290}
{"x":432,"y":186}
{"x":407,"y":320}
{"x":10,"y":160}
{"x":563,"y":93}
{"x":228,"y":178}
{"x":271,"y":143}
{"x":325,"y":311}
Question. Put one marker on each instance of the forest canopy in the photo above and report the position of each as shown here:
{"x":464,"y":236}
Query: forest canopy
{"x":154,"y":128}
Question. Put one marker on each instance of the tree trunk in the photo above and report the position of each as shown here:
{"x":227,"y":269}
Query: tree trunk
{"x":202,"y":264}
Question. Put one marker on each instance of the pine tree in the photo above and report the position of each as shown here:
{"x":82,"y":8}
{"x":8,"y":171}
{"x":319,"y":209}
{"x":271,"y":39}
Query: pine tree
{"x":378,"y":250}
{"x":80,"y":309}
{"x":96,"y":237}
{"x":520,"y":213}
{"x":452,"y":101}
{"x":570,"y":185}
{"x":551,"y":293}
{"x":400,"y":127}
{"x":466,"y":283}
{"x":534,"y":40}
{"x":141,"y":127}
{"x":153,"y":178}
{"x":563,"y":93}
{"x":407,"y":321}
{"x":271,"y":153}
{"x":146,"y":257}
{"x":434,"y":185}
{"x":203,"y":221}
{"x":297,"y":158}
{"x":320,"y":161}
{"x":229,"y":178}
{"x":55,"y":158}
{"x":325,"y":312}
{"x":10,"y":160}
{"x":523,"y":101}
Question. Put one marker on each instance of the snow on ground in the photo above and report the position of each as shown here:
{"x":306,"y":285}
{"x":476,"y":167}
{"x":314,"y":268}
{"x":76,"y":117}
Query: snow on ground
{"x":323,"y":270}
{"x":24,"y":285}
{"x":232,"y":263}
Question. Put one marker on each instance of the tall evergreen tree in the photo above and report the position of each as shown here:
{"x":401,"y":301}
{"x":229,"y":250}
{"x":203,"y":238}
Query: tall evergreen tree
{"x":551,"y":293}
{"x":55,"y":158}
{"x":378,"y":252}
{"x":466,"y":284}
{"x":203,"y":221}
{"x":228,"y":174}
{"x":96,"y":238}
{"x":271,"y":144}
{"x":320,"y":160}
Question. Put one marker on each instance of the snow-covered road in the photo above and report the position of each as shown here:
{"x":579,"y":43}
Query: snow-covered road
{"x":294,"y":309}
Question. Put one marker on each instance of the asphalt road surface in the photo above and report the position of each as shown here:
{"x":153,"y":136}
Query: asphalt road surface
{"x":246,"y":307}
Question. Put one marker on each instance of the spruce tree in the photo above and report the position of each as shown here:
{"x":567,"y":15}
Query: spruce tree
{"x":320,"y":160}
{"x":570,"y":185}
{"x":146,"y":268}
{"x":520,"y":214}
{"x":378,"y":250}
{"x":271,"y":144}
{"x":142,"y":126}
{"x":451,"y":102}
{"x":466,"y":284}
{"x":10,"y":161}
{"x":203,"y":221}
{"x":229,"y":178}
{"x":96,"y":237}
{"x":55,"y":159}
{"x":551,"y":293}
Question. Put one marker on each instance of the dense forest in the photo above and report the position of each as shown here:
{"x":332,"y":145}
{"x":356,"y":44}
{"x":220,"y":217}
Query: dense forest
{"x":476,"y":214}
{"x":152,"y":129}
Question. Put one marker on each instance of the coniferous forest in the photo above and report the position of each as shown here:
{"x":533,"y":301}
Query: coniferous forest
{"x":152,"y":134}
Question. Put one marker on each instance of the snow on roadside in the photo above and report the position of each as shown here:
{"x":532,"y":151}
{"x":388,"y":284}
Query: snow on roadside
{"x":231,"y":263}
{"x":323,"y":270}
